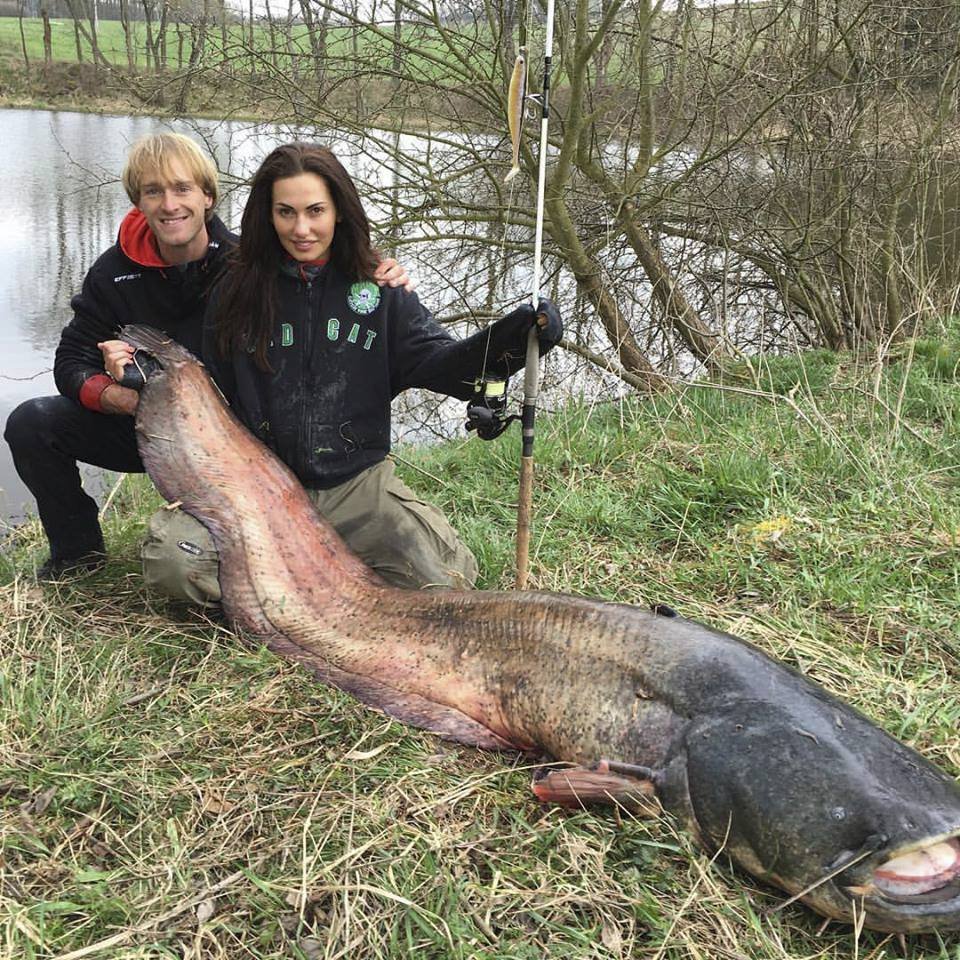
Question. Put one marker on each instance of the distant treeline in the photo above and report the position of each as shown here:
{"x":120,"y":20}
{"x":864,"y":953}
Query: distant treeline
{"x":106,"y":9}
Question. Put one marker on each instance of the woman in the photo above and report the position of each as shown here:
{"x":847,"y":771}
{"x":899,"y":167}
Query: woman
{"x":310,"y":352}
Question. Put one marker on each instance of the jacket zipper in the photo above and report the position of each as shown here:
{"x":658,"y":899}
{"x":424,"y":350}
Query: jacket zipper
{"x":308,"y":334}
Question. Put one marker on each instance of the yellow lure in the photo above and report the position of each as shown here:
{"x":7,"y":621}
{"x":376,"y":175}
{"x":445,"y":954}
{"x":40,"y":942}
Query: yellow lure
{"x":516,"y":98}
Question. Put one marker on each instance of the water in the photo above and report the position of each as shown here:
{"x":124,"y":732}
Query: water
{"x":63,"y":207}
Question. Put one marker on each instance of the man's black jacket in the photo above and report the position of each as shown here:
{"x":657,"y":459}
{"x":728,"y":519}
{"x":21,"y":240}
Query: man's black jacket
{"x":126,"y":286}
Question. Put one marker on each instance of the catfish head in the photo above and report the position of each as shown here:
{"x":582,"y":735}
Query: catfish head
{"x":808,"y":794}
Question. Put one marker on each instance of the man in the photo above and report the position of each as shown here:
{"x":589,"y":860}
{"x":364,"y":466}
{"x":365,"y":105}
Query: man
{"x":170,"y":250}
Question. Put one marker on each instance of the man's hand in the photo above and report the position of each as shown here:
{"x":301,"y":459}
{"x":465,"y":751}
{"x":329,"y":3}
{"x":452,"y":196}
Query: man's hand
{"x":390,"y":273}
{"x":116,"y":355}
{"x":116,"y":399}
{"x":119,"y":400}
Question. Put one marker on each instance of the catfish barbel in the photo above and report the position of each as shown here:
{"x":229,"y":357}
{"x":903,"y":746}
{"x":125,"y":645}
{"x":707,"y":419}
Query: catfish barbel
{"x":798,"y":788}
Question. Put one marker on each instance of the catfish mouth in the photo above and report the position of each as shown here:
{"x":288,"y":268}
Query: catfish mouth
{"x":928,"y":874}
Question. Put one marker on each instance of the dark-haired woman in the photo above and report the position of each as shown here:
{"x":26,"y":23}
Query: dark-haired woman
{"x":310,"y":352}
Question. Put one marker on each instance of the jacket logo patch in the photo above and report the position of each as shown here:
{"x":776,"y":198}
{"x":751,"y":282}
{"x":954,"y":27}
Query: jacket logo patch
{"x":127,"y":276}
{"x":363,"y":298}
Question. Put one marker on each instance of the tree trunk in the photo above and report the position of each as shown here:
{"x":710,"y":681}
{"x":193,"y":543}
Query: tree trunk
{"x":588,"y":274}
{"x":162,"y":35}
{"x":272,"y":28}
{"x":699,"y":339}
{"x":225,"y":34}
{"x":178,"y":26}
{"x":127,"y":36}
{"x":23,"y":39}
{"x":151,"y":49}
{"x":89,"y":35}
{"x":94,"y":17}
{"x":76,"y":37}
{"x":198,"y":43}
{"x":316,"y":32}
{"x":47,"y":40}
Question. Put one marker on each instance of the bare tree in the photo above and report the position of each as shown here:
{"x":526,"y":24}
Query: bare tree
{"x":127,"y":35}
{"x":23,"y":38}
{"x":720,"y":179}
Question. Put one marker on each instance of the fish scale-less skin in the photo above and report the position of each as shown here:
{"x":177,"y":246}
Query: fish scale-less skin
{"x":750,"y":755}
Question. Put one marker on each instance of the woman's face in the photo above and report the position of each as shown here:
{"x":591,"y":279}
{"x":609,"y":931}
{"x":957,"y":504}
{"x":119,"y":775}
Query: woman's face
{"x":304,"y":216}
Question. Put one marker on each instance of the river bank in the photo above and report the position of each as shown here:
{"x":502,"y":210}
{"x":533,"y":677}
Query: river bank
{"x":83,"y":89}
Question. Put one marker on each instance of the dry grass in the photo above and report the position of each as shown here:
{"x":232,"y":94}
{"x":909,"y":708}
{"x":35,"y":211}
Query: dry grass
{"x":166,"y":792}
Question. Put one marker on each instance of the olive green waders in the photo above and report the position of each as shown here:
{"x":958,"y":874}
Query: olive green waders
{"x":406,"y":540}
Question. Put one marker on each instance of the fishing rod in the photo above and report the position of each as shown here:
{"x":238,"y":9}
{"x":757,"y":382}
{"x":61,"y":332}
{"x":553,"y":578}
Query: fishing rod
{"x":531,"y":379}
{"x":486,"y":412}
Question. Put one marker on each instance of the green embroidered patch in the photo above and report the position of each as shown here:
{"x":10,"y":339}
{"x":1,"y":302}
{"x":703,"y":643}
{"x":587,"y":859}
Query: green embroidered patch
{"x":363,"y":298}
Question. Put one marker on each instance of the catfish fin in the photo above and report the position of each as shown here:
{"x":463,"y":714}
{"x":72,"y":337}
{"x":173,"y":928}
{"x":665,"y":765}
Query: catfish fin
{"x":437,"y":718}
{"x":598,"y":783}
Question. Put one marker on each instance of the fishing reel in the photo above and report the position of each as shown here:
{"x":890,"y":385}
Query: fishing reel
{"x":486,"y":411}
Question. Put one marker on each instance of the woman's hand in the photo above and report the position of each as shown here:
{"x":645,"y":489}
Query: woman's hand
{"x":390,"y":273}
{"x":116,"y":355}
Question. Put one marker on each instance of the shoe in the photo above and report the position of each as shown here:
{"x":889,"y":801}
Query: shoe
{"x":57,"y":568}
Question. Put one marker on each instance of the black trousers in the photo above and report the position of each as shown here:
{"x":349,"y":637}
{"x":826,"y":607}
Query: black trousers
{"x":48,"y":436}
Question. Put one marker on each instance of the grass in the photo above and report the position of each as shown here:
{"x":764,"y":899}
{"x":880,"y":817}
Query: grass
{"x":339,"y":45}
{"x":166,"y":792}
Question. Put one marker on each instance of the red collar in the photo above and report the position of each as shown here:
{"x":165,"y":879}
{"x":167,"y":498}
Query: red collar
{"x":307,"y":263}
{"x":138,"y":242}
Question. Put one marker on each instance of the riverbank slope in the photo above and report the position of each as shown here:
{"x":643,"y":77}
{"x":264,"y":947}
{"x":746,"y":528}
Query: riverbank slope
{"x":169,"y":792}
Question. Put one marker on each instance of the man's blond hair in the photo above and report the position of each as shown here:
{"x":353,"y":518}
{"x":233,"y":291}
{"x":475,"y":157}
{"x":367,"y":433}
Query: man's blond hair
{"x":156,"y":154}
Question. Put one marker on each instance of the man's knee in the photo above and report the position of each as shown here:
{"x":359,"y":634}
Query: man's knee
{"x":180,"y":558}
{"x":29,"y":424}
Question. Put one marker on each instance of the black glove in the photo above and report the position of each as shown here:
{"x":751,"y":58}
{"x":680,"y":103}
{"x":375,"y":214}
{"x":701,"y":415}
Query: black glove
{"x":134,"y":373}
{"x":552,"y":332}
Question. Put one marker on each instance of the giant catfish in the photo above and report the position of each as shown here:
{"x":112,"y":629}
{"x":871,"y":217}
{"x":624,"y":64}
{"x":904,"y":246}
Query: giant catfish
{"x":797,"y":787}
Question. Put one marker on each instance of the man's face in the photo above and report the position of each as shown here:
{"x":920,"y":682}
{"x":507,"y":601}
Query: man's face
{"x":175,"y":209}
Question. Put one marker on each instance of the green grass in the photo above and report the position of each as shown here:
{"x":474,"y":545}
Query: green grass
{"x":341,"y":51}
{"x":168,"y":792}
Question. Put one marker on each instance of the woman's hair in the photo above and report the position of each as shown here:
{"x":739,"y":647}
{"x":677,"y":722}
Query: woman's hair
{"x":157,"y":152}
{"x":247,"y":295}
